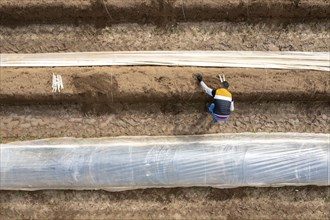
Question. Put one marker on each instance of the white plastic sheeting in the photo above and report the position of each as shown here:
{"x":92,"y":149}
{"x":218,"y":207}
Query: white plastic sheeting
{"x":227,"y":160}
{"x":246,"y":59}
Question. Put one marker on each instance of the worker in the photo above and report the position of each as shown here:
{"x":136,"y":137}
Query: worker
{"x":223,"y":103}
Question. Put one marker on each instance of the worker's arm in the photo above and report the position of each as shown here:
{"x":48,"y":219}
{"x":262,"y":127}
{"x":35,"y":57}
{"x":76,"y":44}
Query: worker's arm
{"x":207,"y":89}
{"x":232,"y":108}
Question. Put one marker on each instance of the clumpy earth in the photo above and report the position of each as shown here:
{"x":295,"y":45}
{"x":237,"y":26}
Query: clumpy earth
{"x":176,"y":203}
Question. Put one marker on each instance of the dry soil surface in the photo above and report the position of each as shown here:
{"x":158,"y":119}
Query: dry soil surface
{"x":114,"y":101}
{"x":159,"y":84}
{"x":42,"y":121}
{"x":96,"y":114}
{"x":177,"y":203}
{"x":261,"y":36}
{"x":104,"y":12}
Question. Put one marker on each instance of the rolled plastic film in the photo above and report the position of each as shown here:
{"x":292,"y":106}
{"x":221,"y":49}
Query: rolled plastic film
{"x":226,"y":160}
{"x":239,"y":59}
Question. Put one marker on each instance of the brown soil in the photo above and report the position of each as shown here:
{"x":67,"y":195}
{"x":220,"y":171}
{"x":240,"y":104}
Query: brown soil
{"x":261,"y":36}
{"x":168,"y":102}
{"x":177,"y":203}
{"x":159,"y":84}
{"x":102,"y":12}
{"x":183,"y":118}
{"x":113,"y":101}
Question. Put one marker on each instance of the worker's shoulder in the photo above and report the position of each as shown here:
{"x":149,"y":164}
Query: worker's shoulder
{"x":223,"y":92}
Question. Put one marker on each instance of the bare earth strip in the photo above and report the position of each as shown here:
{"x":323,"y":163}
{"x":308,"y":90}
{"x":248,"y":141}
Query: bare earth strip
{"x":263,"y":36}
{"x":159,"y":84}
{"x":176,"y":203}
{"x":42,"y":121}
{"x":104,"y":12}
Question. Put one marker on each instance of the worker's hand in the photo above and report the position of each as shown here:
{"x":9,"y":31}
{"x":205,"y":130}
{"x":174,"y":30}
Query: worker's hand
{"x":199,"y":78}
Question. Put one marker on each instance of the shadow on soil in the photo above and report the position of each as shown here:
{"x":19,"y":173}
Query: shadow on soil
{"x":161,"y":12}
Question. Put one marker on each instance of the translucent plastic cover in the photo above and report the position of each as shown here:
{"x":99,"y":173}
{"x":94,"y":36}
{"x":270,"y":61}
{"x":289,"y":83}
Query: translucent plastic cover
{"x":226,"y":160}
{"x":247,"y":59}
